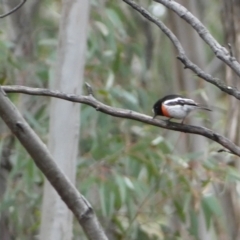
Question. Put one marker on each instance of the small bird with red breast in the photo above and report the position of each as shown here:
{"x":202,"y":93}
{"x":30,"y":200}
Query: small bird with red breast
{"x":176,"y":106}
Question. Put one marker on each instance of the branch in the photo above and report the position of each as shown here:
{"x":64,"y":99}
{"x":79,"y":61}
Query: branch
{"x":202,"y":31}
{"x":42,"y":158}
{"x":182,"y":55}
{"x":13,"y":10}
{"x":124,"y":113}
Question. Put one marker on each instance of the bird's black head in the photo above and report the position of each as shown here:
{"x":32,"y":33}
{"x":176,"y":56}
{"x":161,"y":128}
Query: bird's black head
{"x":157,"y":107}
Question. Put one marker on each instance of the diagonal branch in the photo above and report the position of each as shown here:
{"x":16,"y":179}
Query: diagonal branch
{"x":42,"y":158}
{"x":182,"y":55}
{"x":128,"y":114}
{"x":13,"y":10}
{"x":202,"y":31}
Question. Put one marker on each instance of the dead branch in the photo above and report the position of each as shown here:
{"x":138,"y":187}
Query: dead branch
{"x":128,"y":114}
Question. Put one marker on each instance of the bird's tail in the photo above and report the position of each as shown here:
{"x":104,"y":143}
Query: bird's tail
{"x":204,"y":108}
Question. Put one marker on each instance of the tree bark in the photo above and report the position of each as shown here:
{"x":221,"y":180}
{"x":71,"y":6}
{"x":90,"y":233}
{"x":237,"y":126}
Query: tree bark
{"x":64,"y":117}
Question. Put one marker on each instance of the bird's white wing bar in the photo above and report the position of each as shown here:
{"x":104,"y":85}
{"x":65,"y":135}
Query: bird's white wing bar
{"x":180,"y":101}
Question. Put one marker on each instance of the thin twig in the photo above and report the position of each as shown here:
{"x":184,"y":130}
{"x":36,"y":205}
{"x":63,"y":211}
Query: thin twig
{"x":89,"y":89}
{"x":223,"y":150}
{"x":128,"y":114}
{"x":230,"y":49}
{"x":13,"y":10}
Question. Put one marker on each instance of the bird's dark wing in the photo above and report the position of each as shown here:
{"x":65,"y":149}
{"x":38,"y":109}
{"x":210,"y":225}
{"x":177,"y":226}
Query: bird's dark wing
{"x":186,"y":101}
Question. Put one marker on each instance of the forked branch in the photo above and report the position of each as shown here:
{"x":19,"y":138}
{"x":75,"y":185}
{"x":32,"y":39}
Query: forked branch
{"x":220,"y":51}
{"x":182,"y":55}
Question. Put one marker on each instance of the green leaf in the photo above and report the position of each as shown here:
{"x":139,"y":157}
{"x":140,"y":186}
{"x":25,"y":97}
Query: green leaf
{"x":210,"y":207}
{"x":121,"y":188}
{"x":233,"y":174}
{"x":116,"y":21}
{"x":193,"y":229}
{"x":179,"y":209}
{"x":103,"y":200}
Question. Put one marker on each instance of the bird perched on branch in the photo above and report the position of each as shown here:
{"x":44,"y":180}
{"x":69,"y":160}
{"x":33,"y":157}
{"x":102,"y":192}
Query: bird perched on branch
{"x":176,"y":106}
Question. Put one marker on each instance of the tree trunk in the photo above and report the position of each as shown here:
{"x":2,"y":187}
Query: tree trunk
{"x":64,"y":116}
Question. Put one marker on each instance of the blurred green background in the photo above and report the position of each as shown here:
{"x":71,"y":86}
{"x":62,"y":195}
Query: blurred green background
{"x":143,"y":182}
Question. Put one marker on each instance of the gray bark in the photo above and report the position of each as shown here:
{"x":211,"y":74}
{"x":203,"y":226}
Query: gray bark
{"x":64,"y":116}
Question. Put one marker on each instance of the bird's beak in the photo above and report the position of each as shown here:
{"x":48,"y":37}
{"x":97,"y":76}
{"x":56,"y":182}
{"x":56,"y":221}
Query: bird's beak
{"x":154,"y":113}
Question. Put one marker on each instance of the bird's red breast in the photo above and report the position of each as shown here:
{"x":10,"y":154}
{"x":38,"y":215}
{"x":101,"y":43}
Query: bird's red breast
{"x":165,"y":111}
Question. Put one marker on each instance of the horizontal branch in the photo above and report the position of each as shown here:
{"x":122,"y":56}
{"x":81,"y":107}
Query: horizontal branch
{"x":182,"y":55}
{"x":221,"y":52}
{"x":128,"y":114}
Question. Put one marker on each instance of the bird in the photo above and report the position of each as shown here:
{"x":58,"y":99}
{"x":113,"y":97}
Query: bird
{"x":176,"y":106}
